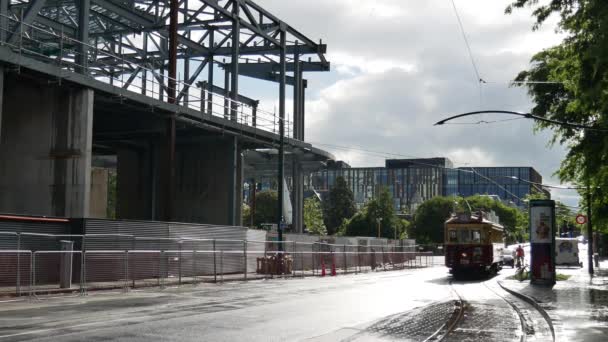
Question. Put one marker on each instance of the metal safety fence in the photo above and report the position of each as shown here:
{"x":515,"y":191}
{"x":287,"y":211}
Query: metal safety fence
{"x":76,"y":264}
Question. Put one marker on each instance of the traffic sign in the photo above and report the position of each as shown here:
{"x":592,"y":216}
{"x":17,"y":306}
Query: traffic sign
{"x":581,"y":219}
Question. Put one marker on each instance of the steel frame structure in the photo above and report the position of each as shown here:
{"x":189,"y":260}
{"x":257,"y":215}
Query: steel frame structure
{"x":131,"y":39}
{"x":160,"y":49}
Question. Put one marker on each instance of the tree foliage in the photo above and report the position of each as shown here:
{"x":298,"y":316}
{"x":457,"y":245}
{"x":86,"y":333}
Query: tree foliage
{"x":338,"y":206}
{"x":313,"y":216}
{"x":578,"y":70}
{"x":266,"y":204}
{"x":430,"y":218}
{"x":377,"y":212}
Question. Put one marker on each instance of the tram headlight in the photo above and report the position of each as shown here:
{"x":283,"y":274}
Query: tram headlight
{"x":464,"y":255}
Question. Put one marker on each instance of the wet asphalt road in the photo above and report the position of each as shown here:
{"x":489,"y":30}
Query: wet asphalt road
{"x":396,"y":305}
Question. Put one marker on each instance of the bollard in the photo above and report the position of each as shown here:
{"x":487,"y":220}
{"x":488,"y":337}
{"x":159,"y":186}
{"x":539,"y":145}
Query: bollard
{"x":194,"y":274}
{"x":18,"y":289}
{"x":222,"y":266}
{"x":333,"y":264}
{"x":65,"y":264}
{"x":344,"y":256}
{"x":214,"y":263}
{"x":596,"y":260}
{"x":245,"y":259}
{"x":179,"y":262}
{"x":126,"y":270}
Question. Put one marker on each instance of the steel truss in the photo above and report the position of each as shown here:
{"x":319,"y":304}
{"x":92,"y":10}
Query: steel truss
{"x":129,"y":40}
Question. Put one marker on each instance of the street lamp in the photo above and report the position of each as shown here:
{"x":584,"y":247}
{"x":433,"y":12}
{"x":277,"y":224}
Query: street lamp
{"x":379,"y":220}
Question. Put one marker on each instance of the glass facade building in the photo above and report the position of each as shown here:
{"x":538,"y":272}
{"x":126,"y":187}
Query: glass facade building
{"x":409,"y":181}
{"x":413,"y":181}
{"x":511,"y":184}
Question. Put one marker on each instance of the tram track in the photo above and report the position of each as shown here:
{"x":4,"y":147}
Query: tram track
{"x":532,"y":322}
{"x":444,"y":331}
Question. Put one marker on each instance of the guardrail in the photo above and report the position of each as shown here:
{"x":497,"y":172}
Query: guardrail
{"x":77,"y":272}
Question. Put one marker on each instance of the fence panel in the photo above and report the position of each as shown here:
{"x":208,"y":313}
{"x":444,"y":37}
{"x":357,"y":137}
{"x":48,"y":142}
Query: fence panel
{"x":53,"y":271}
{"x":106,"y":270}
{"x":15,"y":272}
{"x":147,"y":268}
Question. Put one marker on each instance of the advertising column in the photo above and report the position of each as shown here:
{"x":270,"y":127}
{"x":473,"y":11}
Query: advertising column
{"x":542,"y":242}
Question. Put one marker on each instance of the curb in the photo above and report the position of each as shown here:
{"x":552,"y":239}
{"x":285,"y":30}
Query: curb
{"x":532,"y":302}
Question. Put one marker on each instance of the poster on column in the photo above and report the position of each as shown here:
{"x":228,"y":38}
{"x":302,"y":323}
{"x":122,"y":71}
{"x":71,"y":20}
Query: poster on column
{"x":542,"y":241}
{"x":542,"y":224}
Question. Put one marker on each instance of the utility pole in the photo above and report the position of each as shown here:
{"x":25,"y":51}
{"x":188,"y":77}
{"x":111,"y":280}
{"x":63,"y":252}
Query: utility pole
{"x":589,"y":230}
{"x":172,"y":86}
{"x":281,"y":171}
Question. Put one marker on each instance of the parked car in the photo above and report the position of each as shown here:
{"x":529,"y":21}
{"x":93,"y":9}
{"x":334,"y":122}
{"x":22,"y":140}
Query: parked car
{"x":508,"y":257}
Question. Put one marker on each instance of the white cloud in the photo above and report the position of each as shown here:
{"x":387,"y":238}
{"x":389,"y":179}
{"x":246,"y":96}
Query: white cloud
{"x":399,"y":66}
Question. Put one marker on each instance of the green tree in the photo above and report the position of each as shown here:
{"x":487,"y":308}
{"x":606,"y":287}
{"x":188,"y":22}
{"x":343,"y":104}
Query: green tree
{"x":577,"y":74}
{"x":510,"y":218}
{"x":430,"y":218}
{"x":338,"y":206}
{"x":377,"y":212}
{"x":313,"y":216}
{"x":266,"y":203}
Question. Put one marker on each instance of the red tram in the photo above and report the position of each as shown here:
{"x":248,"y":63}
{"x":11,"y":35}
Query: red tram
{"x":473,"y":244}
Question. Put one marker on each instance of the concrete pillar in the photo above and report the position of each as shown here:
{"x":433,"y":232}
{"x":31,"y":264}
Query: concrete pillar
{"x":99,"y":193}
{"x":209,"y":182}
{"x":136,"y":184}
{"x":45,"y":149}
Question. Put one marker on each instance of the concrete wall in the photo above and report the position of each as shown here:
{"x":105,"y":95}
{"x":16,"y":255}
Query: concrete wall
{"x":204,"y":171}
{"x":45,"y":149}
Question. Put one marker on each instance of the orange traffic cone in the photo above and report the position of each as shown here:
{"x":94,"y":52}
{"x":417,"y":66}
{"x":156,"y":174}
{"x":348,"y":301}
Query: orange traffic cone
{"x":322,"y":269}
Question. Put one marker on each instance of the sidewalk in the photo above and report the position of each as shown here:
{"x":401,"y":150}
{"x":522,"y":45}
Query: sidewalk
{"x":578,"y":307}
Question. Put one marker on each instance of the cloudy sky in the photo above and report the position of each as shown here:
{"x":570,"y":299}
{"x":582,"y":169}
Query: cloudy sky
{"x":398,"y":66}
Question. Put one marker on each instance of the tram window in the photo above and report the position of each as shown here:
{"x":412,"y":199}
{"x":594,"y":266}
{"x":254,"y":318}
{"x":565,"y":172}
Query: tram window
{"x":453,"y":237}
{"x":465,"y":235}
{"x":476,"y":236}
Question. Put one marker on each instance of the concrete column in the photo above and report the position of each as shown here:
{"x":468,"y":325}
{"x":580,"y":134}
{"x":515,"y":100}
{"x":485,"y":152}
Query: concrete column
{"x":99,"y":193}
{"x":45,"y":149}
{"x":209,"y":182}
{"x":135,"y":184}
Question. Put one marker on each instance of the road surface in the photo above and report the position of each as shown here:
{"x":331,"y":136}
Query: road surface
{"x":412,"y":305}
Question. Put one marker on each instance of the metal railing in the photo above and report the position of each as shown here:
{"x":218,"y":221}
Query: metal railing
{"x":92,"y":265}
{"x":106,"y":63}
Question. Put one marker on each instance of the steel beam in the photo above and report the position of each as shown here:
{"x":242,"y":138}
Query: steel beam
{"x":170,"y":176}
{"x":236,"y":42}
{"x":4,"y":20}
{"x":210,"y":73}
{"x":221,"y":91}
{"x":84,"y":8}
{"x":31,"y":12}
{"x":281,"y":172}
{"x":191,"y":80}
{"x":296,"y":95}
